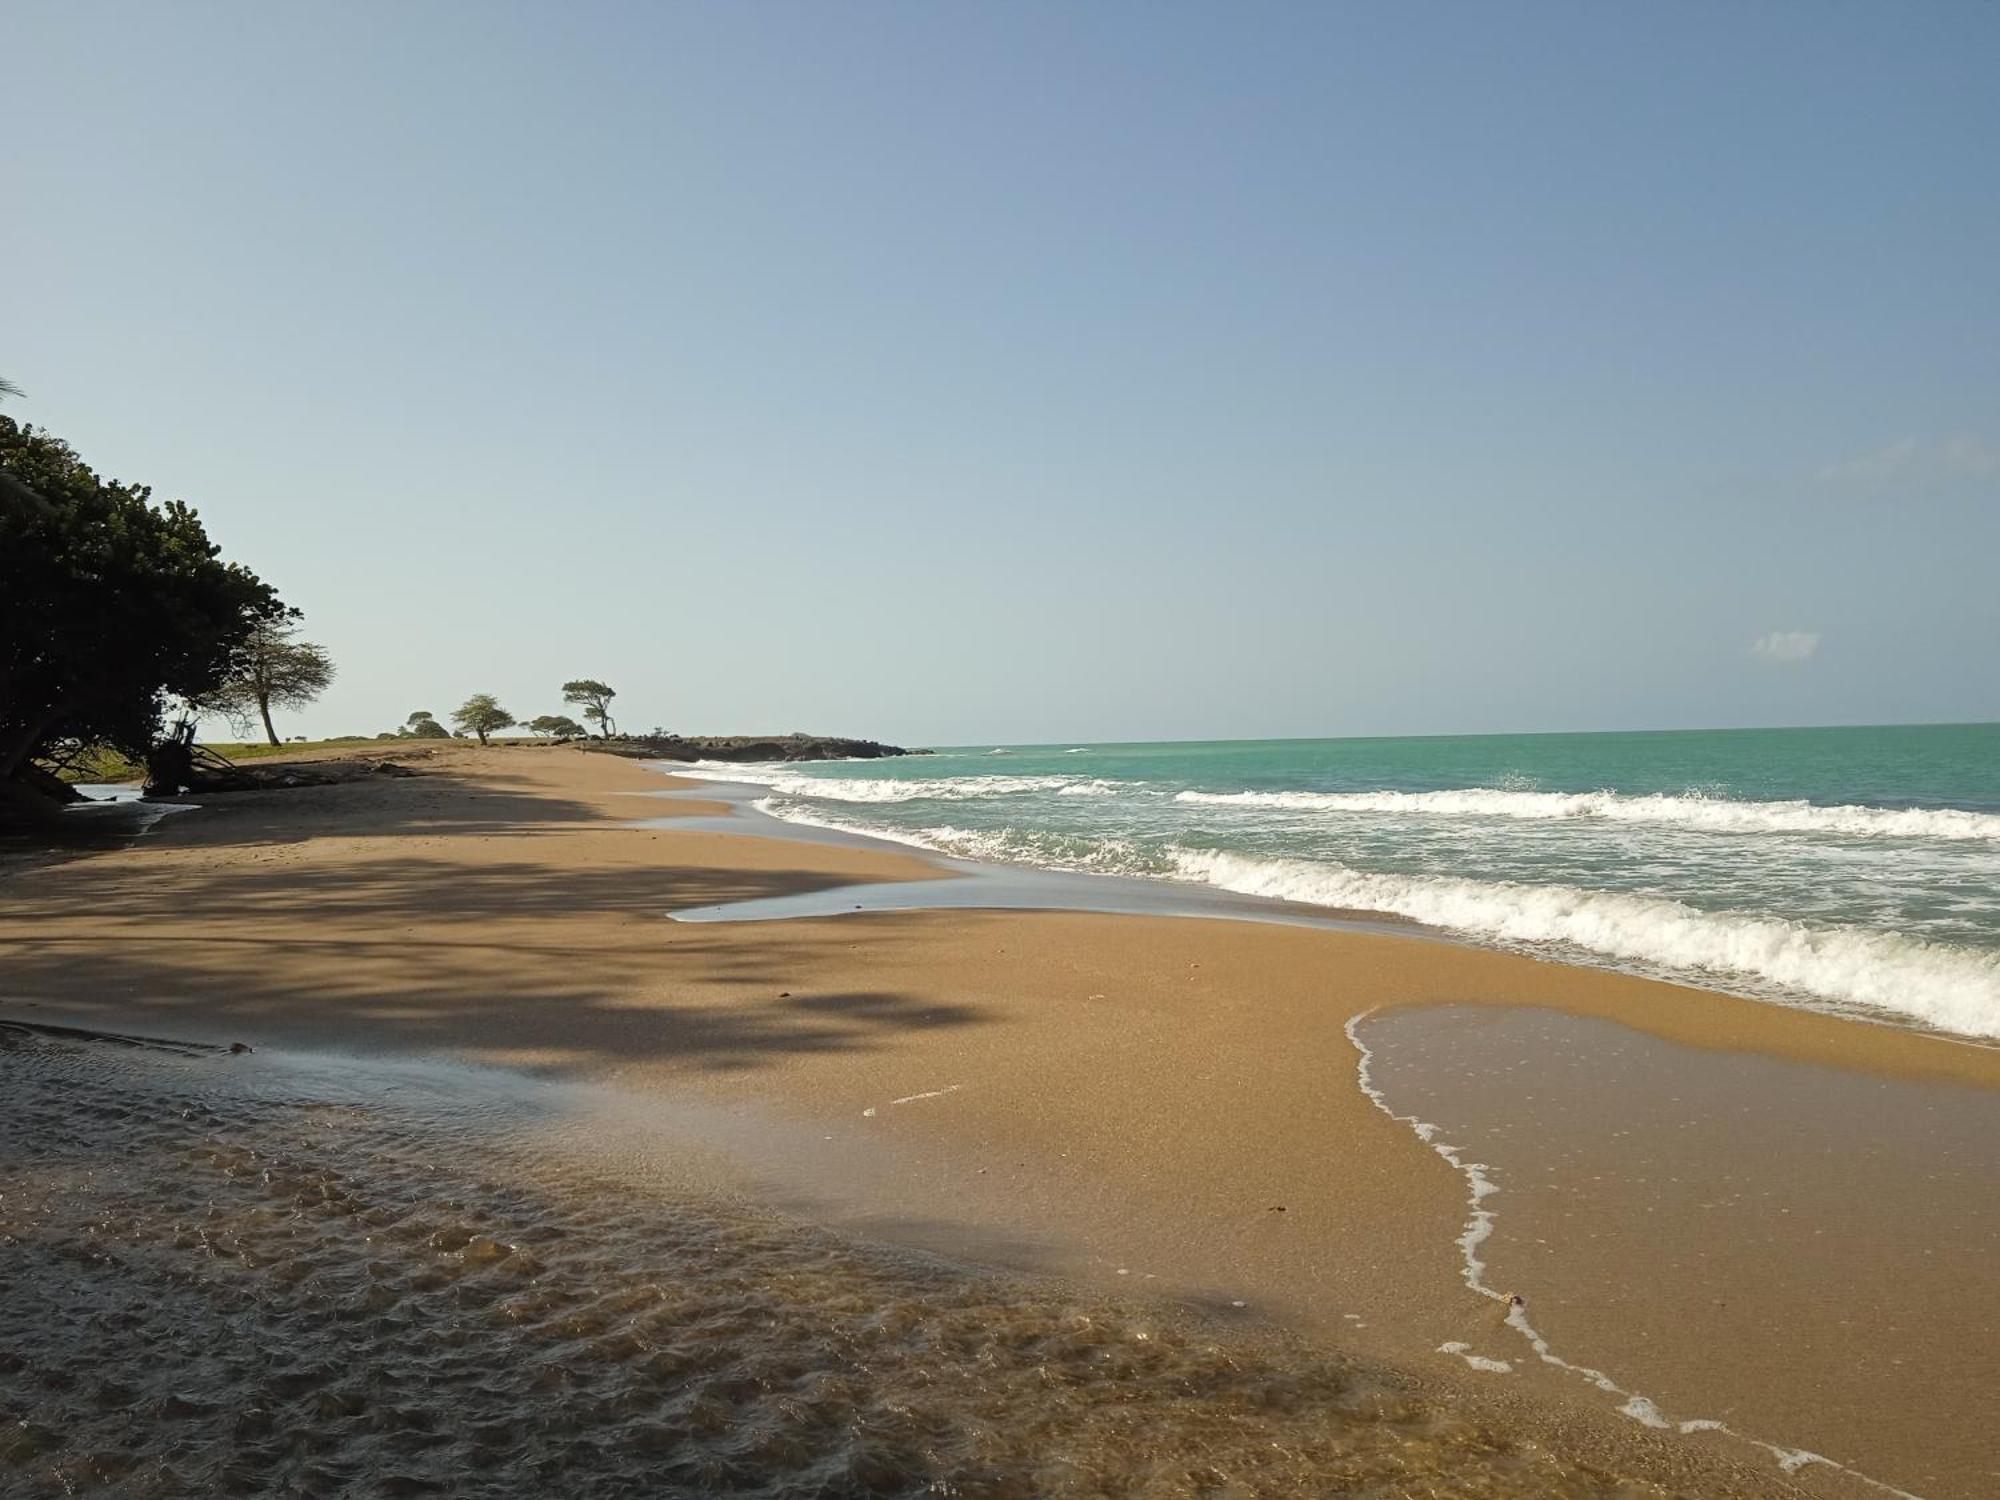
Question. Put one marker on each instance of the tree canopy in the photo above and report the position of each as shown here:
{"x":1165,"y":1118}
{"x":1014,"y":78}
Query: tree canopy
{"x":481,"y":715}
{"x":423,"y":725}
{"x":596,"y":699}
{"x":272,"y":670}
{"x":561,"y":726}
{"x":109,"y":605}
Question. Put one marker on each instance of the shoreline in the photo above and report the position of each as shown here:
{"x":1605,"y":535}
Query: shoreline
{"x":1767,"y":957}
{"x":953,"y":883}
{"x":1034,"y":1078}
{"x":984,"y":885}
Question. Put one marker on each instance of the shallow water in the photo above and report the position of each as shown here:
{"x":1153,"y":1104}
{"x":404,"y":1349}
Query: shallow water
{"x":254,"y":1275}
{"x":1854,"y":869}
{"x":112,"y":818}
{"x":1801,"y":1254}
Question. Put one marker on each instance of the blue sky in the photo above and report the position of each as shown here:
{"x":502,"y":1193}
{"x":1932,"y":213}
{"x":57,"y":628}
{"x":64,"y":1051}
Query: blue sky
{"x":1026,"y":372}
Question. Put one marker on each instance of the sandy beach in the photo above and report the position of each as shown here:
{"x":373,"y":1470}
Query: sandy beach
{"x":1153,"y":1107}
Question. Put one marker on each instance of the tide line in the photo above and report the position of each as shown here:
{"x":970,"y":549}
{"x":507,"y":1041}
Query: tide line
{"x":1479,"y":1227}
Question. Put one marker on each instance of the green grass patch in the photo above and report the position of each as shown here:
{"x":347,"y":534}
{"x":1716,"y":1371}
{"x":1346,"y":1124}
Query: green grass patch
{"x":104,"y":765}
{"x":260,"y":751}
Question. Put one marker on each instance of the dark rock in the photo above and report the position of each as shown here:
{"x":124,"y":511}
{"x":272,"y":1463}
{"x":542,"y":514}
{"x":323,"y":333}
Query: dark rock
{"x":746,"y":747}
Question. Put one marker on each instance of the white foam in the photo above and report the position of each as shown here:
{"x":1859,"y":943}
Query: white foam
{"x":1046,"y":851}
{"x":1955,"y":989}
{"x":899,"y":789}
{"x":950,"y":1088}
{"x":1480,"y":1225}
{"x":1477,"y":1361}
{"x":1939,"y":984}
{"x":1707,"y":814}
{"x":1644,"y":1412}
{"x":791,"y":812}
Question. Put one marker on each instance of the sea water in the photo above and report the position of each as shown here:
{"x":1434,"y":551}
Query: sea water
{"x":1856,"y":869}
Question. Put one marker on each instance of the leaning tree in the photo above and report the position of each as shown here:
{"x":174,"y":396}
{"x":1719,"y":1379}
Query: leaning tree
{"x":596,"y":699}
{"x":272,"y":669}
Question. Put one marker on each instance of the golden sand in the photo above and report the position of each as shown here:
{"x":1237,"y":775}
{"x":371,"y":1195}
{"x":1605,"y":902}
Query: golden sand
{"x":1156,"y":1103}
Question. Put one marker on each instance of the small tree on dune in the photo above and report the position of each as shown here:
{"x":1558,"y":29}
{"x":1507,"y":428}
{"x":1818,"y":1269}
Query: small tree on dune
{"x":271,"y":669}
{"x":556,"y":726}
{"x":596,"y":699}
{"x":481,"y":715}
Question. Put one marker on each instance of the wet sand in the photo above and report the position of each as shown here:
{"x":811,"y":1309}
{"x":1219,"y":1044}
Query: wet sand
{"x":1138,"y":1105}
{"x":326,"y":1278}
{"x":1736,"y":1239}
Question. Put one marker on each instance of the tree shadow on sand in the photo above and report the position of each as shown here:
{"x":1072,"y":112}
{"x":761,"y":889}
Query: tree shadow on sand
{"x":513,"y":960}
{"x":429,"y":802}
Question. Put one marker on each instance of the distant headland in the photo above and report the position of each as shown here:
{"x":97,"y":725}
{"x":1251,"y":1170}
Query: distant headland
{"x":745,"y":747}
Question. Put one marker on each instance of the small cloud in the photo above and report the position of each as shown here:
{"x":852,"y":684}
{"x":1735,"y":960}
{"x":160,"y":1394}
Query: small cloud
{"x":1919,"y":461}
{"x":1786,"y":645}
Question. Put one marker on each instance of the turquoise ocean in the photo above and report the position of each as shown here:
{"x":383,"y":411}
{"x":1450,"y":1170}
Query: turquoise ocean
{"x":1853,"y":869}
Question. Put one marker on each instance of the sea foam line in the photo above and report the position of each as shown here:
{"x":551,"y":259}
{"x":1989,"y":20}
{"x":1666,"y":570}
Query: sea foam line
{"x":1706,"y":814}
{"x":900,"y":789}
{"x":1041,"y":851}
{"x":1480,"y":1224}
{"x":1955,"y":989}
{"x":1952,"y":988}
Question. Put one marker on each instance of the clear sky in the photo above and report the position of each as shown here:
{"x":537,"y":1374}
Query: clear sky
{"x":1020,"y":372}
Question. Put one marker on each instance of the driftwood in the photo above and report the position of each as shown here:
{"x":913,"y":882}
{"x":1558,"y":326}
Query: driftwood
{"x":207,"y":772}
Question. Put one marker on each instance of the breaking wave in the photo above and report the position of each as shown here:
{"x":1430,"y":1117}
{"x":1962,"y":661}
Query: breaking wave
{"x":1937,"y":984}
{"x":1888,"y":914}
{"x":902,"y":789}
{"x":1707,"y":814}
{"x":1954,"y":989}
{"x":1045,"y":850}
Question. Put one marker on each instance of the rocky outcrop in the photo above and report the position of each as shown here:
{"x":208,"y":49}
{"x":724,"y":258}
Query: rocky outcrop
{"x":746,"y":747}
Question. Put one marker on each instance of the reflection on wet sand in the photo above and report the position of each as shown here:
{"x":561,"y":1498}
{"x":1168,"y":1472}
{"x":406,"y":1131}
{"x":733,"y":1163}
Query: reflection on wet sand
{"x":1685,"y":1231}
{"x":248,"y":1276}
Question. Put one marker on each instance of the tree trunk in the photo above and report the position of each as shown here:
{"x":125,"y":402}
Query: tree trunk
{"x":16,"y":748}
{"x":34,"y":799}
{"x":264,"y":708}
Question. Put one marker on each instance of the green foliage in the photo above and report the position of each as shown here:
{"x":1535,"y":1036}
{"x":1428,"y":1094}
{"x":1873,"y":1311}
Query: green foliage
{"x":596,"y":699}
{"x":99,"y":763}
{"x":423,"y":725}
{"x":272,"y":670}
{"x":560,"y":726}
{"x":481,"y":715}
{"x":261,"y":750}
{"x":109,"y":605}
{"x":104,"y":764}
